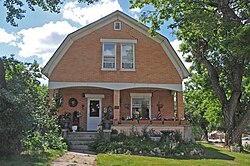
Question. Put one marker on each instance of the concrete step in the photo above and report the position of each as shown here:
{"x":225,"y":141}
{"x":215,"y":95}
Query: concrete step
{"x":79,"y":147}
{"x":82,"y":136}
{"x":80,"y":142}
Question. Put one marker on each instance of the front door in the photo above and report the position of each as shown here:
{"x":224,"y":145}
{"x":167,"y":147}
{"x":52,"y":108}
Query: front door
{"x":94,"y":114}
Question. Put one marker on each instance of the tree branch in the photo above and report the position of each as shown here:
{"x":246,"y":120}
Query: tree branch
{"x":213,"y":75}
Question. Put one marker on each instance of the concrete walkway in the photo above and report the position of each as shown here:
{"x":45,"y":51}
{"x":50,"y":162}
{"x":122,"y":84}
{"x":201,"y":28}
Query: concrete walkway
{"x":75,"y":159}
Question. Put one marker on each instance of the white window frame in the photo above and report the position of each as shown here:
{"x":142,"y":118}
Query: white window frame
{"x":117,"y":22}
{"x":133,"y":69}
{"x":140,"y":95}
{"x":108,"y":69}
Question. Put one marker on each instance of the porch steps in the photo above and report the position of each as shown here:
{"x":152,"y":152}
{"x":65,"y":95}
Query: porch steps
{"x":79,"y":141}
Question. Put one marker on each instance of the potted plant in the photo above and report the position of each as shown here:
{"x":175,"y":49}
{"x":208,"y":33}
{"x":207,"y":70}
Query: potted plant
{"x":107,"y":118}
{"x":74,"y":126}
{"x":64,"y":120}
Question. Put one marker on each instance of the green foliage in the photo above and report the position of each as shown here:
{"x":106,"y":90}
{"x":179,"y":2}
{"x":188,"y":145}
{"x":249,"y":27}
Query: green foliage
{"x":16,"y":9}
{"x":215,"y":34}
{"x":202,"y":106}
{"x":141,"y":143}
{"x":24,"y":113}
{"x":31,"y":158}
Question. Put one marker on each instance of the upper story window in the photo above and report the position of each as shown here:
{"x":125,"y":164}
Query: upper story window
{"x":109,"y":56}
{"x":127,"y":57}
{"x":117,"y":26}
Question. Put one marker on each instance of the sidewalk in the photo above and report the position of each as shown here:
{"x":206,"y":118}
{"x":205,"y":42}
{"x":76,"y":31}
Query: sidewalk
{"x":75,"y":159}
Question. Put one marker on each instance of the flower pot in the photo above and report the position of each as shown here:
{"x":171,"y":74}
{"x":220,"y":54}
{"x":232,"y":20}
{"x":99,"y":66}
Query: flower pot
{"x":129,"y":122}
{"x":106,"y":124}
{"x":144,"y":122}
{"x":74,"y":128}
{"x":158,"y":122}
{"x":171,"y":122}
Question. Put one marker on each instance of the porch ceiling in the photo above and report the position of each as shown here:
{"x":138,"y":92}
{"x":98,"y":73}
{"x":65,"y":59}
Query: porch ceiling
{"x":114,"y":86}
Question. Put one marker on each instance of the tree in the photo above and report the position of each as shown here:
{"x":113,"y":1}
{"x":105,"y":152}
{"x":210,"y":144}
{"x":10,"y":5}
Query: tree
{"x":2,"y":75}
{"x":24,"y":114}
{"x":16,"y":9}
{"x":202,"y":107}
{"x":217,"y":34}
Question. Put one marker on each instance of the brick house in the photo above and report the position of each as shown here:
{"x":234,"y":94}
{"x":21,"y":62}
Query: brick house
{"x":115,"y":62}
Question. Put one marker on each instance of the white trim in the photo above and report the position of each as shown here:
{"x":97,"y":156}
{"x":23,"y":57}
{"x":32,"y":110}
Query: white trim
{"x":98,"y":96}
{"x":118,"y":41}
{"x":117,"y":15}
{"x":140,"y":94}
{"x":108,"y":69}
{"x":120,"y":26}
{"x":124,"y":69}
{"x":114,"y":86}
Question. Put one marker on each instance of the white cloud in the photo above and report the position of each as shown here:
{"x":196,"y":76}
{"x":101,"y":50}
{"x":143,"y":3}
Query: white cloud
{"x":176,"y":45}
{"x":135,"y":10}
{"x":90,"y":13}
{"x":43,"y":41}
{"x":6,"y":37}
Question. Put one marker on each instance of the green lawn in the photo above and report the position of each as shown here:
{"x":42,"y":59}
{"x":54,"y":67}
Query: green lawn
{"x":213,"y":156}
{"x":37,"y":159}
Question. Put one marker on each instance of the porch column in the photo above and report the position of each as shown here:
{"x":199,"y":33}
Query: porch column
{"x":116,"y":104}
{"x":180,"y":105}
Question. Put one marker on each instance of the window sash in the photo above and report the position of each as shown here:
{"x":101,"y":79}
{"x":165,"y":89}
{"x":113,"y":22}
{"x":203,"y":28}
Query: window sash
{"x":109,"y":56}
{"x":127,"y":56}
{"x":138,"y":107}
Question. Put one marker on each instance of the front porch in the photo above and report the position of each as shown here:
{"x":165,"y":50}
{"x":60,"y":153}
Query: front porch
{"x":156,"y":108}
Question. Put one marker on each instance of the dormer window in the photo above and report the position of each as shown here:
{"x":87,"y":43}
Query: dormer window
{"x":117,"y":26}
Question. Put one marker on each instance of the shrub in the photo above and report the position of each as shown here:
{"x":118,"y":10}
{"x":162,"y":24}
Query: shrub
{"x":140,"y":143}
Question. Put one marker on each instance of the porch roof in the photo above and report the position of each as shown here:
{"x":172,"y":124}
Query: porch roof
{"x":114,"y":86}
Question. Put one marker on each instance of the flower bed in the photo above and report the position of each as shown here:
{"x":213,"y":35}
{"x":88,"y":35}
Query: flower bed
{"x":167,"y":144}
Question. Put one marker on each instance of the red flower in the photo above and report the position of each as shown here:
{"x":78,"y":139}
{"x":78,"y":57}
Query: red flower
{"x":75,"y":123}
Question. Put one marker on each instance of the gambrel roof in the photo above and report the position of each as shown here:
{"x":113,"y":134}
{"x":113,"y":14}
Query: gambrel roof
{"x":117,"y":15}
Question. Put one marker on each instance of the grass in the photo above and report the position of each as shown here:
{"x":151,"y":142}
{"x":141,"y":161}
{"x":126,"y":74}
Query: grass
{"x":213,"y":156}
{"x":30,"y":159}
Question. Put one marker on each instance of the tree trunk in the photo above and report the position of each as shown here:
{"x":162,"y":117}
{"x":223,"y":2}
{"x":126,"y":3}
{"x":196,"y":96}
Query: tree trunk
{"x":205,"y":135}
{"x":2,"y":75}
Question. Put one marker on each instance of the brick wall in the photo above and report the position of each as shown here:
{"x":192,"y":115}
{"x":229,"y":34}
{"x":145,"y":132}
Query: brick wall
{"x":83,"y":61}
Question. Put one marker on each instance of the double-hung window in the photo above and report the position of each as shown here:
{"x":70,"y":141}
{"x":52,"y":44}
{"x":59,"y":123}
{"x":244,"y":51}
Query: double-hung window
{"x":127,"y":57}
{"x":109,"y":56}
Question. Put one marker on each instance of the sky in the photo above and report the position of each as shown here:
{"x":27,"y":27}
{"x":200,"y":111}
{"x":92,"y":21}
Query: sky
{"x":40,"y":33}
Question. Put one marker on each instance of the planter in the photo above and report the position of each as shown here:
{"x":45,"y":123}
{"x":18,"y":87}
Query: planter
{"x":185,"y":122}
{"x":158,"y":122}
{"x":171,"y":122}
{"x":74,"y":128}
{"x":129,"y":122}
{"x":106,"y":125}
{"x":144,"y":122}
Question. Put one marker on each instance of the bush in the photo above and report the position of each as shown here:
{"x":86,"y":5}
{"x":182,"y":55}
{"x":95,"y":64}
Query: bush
{"x":141,"y":144}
